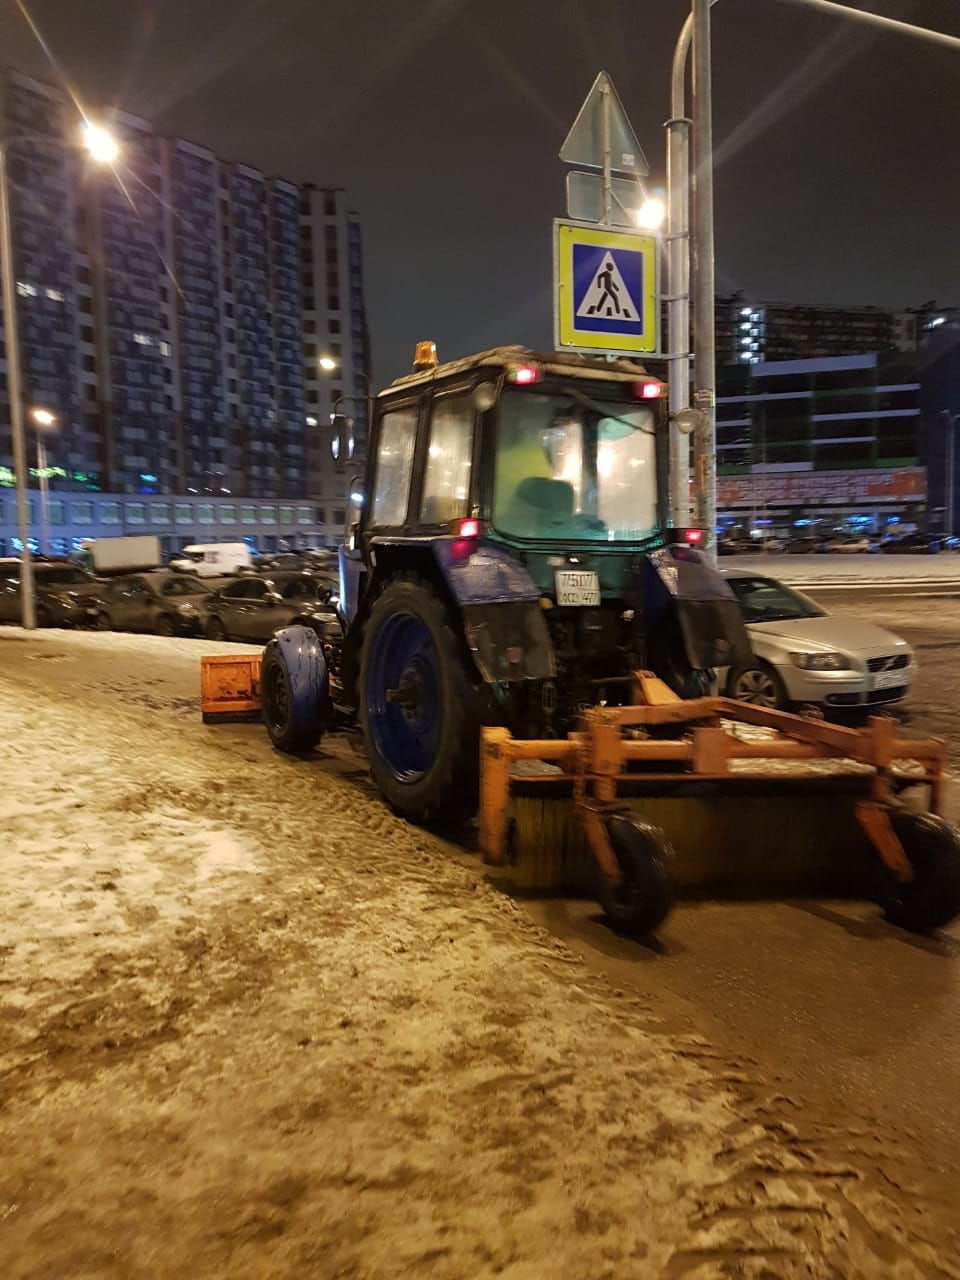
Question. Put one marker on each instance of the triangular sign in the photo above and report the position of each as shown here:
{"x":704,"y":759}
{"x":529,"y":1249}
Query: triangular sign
{"x":607,"y":297}
{"x":584,"y":143}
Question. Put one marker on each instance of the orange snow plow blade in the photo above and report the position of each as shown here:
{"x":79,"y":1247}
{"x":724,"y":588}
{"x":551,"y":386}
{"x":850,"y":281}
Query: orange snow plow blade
{"x":230,"y":688}
{"x":750,"y":802}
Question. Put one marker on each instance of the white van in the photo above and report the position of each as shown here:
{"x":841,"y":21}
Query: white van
{"x":213,"y":559}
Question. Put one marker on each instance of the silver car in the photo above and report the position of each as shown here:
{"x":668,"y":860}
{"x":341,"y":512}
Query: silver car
{"x":805,"y":655}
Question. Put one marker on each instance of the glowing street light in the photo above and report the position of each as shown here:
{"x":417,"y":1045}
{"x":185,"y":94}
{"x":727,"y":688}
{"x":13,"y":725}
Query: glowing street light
{"x":327,"y":364}
{"x":44,"y":421}
{"x":99,"y":142}
{"x":651,"y":213}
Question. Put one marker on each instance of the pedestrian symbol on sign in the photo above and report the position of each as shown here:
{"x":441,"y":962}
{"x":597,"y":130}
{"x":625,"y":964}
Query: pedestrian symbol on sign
{"x":607,"y":297}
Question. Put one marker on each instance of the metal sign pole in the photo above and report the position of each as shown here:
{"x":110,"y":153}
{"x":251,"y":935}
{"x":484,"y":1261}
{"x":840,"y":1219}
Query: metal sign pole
{"x":704,"y":343}
{"x":607,"y":204}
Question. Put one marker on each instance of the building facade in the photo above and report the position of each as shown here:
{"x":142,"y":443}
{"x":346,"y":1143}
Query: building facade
{"x":335,"y":348}
{"x":171,"y":313}
{"x":834,"y":442}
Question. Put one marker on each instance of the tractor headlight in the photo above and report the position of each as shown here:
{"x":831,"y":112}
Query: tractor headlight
{"x":821,"y":661}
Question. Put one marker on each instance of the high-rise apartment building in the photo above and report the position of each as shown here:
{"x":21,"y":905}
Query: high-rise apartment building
{"x":335,"y":347}
{"x":171,"y":317}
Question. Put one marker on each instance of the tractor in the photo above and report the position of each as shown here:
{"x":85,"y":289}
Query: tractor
{"x":518,"y":623}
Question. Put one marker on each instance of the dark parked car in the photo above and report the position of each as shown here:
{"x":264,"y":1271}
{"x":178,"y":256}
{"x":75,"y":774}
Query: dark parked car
{"x":65,"y":593}
{"x":923,"y":544}
{"x":163,"y":603}
{"x":253,"y":608}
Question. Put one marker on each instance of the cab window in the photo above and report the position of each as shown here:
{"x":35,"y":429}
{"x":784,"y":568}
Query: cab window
{"x":446,"y":486}
{"x":398,"y":434}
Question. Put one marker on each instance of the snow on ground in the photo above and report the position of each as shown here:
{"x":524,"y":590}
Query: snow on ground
{"x":855,"y":570}
{"x":253,"y":1025}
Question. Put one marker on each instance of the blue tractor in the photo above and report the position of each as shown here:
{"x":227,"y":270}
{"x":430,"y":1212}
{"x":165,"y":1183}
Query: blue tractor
{"x":508,"y":560}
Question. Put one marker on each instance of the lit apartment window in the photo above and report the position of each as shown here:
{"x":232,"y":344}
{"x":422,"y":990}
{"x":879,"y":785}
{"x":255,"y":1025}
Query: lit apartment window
{"x":54,"y":295}
{"x":165,"y":348}
{"x":26,"y":290}
{"x":143,"y":340}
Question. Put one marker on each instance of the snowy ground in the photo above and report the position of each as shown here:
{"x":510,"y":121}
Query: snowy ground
{"x":886,"y":570}
{"x":251,"y":1025}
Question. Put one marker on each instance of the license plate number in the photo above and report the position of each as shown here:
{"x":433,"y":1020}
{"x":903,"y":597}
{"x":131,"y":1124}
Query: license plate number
{"x":576,"y":588}
{"x":889,"y":679}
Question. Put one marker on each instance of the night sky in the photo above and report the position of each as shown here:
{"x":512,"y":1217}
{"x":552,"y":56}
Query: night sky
{"x":838,"y":149}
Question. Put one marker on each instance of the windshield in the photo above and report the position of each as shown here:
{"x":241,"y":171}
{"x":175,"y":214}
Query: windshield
{"x":63,"y":577}
{"x":764,"y":600}
{"x":185,"y":587}
{"x":572,"y":467}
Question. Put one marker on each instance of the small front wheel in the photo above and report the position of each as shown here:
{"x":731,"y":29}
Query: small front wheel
{"x":644,"y":896}
{"x":294,"y":689}
{"x":932,"y":898}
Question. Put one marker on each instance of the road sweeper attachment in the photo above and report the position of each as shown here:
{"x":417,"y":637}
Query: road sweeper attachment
{"x":712,"y":796}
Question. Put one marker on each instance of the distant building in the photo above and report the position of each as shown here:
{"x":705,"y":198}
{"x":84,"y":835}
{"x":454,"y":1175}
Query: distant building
{"x":829,"y":442}
{"x":749,"y":333}
{"x":335,"y":331}
{"x":170,"y":317}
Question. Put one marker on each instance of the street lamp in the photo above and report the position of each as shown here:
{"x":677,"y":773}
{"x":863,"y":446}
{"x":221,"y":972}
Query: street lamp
{"x":651,"y":214}
{"x":99,"y":142}
{"x":95,"y":143}
{"x":327,"y":364}
{"x":44,"y":421}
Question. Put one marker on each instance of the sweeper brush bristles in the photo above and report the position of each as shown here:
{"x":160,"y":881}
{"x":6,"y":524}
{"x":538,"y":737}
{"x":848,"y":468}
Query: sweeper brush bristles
{"x":745,"y":839}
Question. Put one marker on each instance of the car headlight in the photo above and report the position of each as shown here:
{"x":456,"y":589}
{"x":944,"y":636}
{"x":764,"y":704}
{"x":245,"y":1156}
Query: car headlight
{"x":821,"y":661}
{"x":186,"y":608}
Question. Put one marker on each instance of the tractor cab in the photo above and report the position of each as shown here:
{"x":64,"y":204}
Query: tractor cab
{"x":530,"y":492}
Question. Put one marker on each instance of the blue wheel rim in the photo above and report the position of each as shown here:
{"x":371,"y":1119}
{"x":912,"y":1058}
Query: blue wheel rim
{"x":403,"y":697}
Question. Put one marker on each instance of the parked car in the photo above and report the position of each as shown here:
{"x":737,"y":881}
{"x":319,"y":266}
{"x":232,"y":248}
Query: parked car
{"x":804,"y":655}
{"x":65,"y":593}
{"x":858,"y":545}
{"x":923,"y":544}
{"x":161,"y":603}
{"x":804,"y":546}
{"x":253,"y":608}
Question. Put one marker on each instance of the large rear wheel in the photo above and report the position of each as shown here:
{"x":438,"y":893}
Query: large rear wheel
{"x":419,"y":705}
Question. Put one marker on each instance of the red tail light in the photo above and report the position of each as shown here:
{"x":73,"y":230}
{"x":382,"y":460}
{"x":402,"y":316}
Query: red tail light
{"x":692,"y":537}
{"x":650,"y":390}
{"x":522,"y":375}
{"x":469,"y":528}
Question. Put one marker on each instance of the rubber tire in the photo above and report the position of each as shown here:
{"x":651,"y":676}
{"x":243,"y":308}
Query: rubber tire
{"x":642,"y":901}
{"x":782,"y":701}
{"x":932,"y":898}
{"x":43,"y":616}
{"x":164,"y":626}
{"x":103,"y":622}
{"x":294,"y":721}
{"x":215,"y":630}
{"x":448,"y":789}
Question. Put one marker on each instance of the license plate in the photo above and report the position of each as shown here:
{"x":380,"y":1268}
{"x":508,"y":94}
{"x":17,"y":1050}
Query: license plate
{"x":576,"y":588}
{"x":889,"y":679}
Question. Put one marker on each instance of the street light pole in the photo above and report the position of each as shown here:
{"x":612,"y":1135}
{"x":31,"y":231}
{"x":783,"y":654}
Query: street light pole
{"x":99,"y":144}
{"x":28,"y":610}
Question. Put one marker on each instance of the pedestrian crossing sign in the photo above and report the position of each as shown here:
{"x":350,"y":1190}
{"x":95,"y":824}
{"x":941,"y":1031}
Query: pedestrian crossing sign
{"x":606,"y":289}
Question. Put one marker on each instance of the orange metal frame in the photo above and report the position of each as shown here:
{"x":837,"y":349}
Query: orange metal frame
{"x":230,"y":687}
{"x":597,"y":758}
